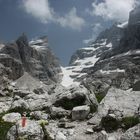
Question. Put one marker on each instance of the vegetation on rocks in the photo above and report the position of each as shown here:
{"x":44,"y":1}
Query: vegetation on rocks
{"x":129,"y":122}
{"x":111,"y":124}
{"x":46,"y":134}
{"x":4,"y":128}
{"x":99,"y":97}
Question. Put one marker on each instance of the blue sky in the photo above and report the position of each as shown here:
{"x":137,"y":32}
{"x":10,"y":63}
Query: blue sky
{"x":67,"y":23}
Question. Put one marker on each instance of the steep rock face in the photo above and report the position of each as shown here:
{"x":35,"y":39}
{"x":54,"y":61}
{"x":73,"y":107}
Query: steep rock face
{"x":35,"y":57}
{"x":84,"y":60}
{"x":110,"y":38}
{"x":112,"y":59}
{"x":131,"y":37}
{"x":124,"y":58}
{"x":113,"y":34}
{"x":39,"y":60}
{"x":121,"y":103}
{"x":10,"y":59}
{"x":134,"y":16}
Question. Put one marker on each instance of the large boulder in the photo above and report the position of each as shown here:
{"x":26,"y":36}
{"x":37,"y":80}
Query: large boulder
{"x":19,"y":104}
{"x":58,"y":112}
{"x":119,"y":102}
{"x":32,"y":130}
{"x":37,"y":102}
{"x":75,"y":96}
{"x":12,"y":117}
{"x":39,"y":115}
{"x":80,"y":112}
{"x":132,"y":133}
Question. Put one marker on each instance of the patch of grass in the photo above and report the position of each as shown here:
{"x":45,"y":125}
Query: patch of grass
{"x":129,"y":122}
{"x":99,"y":97}
{"x":111,"y":124}
{"x":4,"y":128}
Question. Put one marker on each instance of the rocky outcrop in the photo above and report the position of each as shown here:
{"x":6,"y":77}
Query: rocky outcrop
{"x":11,"y":117}
{"x":35,"y":58}
{"x":32,"y":130}
{"x":75,"y":96}
{"x":134,"y":16}
{"x":111,"y":60}
{"x":118,"y":102}
{"x":38,"y":59}
{"x":132,"y":133}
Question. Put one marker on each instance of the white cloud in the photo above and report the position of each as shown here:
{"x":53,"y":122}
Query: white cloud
{"x":117,"y":10}
{"x":71,"y":20}
{"x":41,"y":10}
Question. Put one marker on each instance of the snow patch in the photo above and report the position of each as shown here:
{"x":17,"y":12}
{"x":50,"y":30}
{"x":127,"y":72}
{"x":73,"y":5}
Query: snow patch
{"x":123,"y":25}
{"x":33,"y":42}
{"x":67,"y":80}
{"x":38,"y":47}
{"x":112,"y":71}
{"x":83,"y":62}
{"x":109,"y":45}
{"x":89,"y":48}
{"x":1,"y":46}
{"x":75,"y":71}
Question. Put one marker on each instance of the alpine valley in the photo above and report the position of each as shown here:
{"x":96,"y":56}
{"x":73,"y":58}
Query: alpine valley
{"x":96,"y":97}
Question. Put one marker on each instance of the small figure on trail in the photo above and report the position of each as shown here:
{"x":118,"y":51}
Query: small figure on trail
{"x":23,"y":119}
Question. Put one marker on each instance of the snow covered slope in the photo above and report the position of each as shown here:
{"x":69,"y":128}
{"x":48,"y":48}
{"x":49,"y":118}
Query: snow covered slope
{"x":90,"y":55}
{"x":86,"y":58}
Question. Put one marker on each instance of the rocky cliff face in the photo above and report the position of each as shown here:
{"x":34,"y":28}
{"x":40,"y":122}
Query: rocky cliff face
{"x":34,"y":57}
{"x":112,"y":59}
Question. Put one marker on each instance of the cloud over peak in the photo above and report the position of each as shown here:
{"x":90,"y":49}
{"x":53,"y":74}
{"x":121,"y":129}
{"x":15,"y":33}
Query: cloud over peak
{"x":71,"y":20}
{"x":41,"y":10}
{"x":117,"y":10}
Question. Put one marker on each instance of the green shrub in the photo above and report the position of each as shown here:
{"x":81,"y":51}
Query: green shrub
{"x":129,"y":122}
{"x":46,"y":134}
{"x":4,"y":128}
{"x":99,"y":97}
